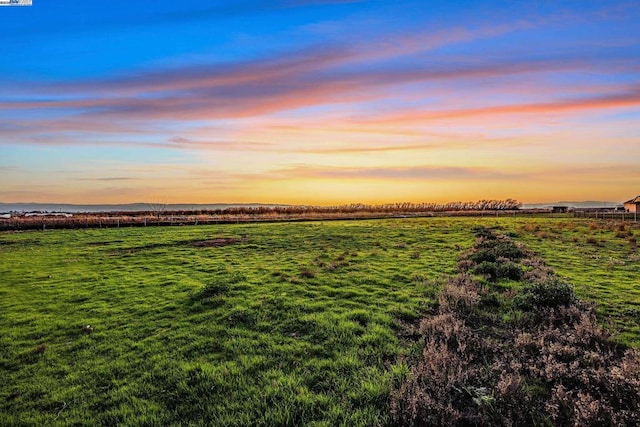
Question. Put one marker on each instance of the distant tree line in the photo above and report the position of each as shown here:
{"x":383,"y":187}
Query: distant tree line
{"x":480,"y":205}
{"x":408,"y":207}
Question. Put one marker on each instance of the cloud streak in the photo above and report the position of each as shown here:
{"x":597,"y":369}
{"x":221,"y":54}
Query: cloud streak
{"x":614,"y":100}
{"x":205,"y":93}
{"x":414,"y":173}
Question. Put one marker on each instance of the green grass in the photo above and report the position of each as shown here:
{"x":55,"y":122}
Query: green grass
{"x":603,"y":265}
{"x":294,"y":324}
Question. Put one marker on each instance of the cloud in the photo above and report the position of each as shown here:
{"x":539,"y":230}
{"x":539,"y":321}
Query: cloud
{"x":209,"y":75}
{"x":447,"y":173}
{"x":614,"y":100}
{"x":207,"y":93}
{"x":350,"y":77}
{"x":108,"y":179}
{"x":218,"y":145}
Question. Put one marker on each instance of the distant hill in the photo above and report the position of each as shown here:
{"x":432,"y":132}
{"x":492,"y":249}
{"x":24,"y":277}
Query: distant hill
{"x":131,"y":207}
{"x":587,"y":204}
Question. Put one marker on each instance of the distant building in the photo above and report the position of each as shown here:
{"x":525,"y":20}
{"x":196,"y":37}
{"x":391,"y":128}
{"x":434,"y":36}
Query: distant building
{"x":560,"y":209}
{"x":632,"y":205}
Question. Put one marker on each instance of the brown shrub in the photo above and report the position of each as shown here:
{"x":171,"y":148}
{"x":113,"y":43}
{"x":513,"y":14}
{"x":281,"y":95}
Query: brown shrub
{"x":561,"y":368}
{"x":459,"y":295}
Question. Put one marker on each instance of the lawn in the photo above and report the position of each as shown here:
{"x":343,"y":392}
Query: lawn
{"x":251,"y":324}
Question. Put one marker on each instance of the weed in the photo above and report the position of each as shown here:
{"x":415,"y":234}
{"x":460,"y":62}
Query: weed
{"x":39,"y":349}
{"x":210,"y":290}
{"x":307,"y":273}
{"x":592,"y":241}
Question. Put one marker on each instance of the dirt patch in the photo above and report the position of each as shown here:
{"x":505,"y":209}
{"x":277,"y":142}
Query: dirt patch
{"x":214,"y":243}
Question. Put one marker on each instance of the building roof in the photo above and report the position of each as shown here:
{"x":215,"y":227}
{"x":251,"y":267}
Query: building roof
{"x":634,"y":200}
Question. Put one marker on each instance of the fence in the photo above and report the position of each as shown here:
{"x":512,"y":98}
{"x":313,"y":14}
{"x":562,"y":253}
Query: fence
{"x":612,"y":215}
{"x":168,"y":219}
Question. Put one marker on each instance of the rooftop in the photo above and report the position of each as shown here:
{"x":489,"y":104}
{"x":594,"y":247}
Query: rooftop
{"x":634,"y":200}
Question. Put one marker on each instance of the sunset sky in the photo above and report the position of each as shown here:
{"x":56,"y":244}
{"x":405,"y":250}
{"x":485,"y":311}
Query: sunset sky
{"x":319,"y":101}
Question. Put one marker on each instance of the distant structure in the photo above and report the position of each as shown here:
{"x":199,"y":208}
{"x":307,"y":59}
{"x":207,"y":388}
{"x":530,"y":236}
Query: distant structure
{"x":560,"y":209}
{"x":632,"y":205}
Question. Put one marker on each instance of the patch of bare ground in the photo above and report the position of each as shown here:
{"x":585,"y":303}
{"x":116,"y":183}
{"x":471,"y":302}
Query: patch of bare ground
{"x":215,"y":243}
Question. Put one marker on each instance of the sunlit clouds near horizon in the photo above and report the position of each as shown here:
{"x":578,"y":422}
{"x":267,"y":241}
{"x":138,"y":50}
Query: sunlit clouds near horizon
{"x":319,"y":102}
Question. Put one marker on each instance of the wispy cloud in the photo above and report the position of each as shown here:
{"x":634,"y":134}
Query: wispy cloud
{"x":614,"y":100}
{"x":207,"y":93}
{"x":108,"y":179}
{"x":218,"y":145}
{"x":420,"y":173}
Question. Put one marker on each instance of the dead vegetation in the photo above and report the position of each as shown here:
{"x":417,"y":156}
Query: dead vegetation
{"x":530,"y":355}
{"x":214,"y":243}
{"x":162,"y":217}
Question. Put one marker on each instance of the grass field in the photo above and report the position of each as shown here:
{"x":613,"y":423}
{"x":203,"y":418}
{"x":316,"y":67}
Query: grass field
{"x":279,"y":324}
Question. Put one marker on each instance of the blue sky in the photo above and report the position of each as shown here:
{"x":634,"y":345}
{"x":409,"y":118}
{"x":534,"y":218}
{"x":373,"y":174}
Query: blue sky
{"x":319,"y":101}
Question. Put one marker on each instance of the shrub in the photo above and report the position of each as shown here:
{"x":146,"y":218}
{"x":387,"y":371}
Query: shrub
{"x":509,"y":250}
{"x":510,"y":270}
{"x":502,"y":269}
{"x":486,"y":268}
{"x":459,"y":294}
{"x":483,"y":255}
{"x":562,"y":369}
{"x":483,"y":232}
{"x":539,"y":271}
{"x":552,"y":292}
{"x":490,"y":250}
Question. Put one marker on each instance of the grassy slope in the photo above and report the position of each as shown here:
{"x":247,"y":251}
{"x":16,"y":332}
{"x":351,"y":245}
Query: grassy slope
{"x":302,"y":332}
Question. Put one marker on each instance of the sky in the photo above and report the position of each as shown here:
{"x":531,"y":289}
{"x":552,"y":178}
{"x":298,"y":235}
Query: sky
{"x":319,"y":101}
